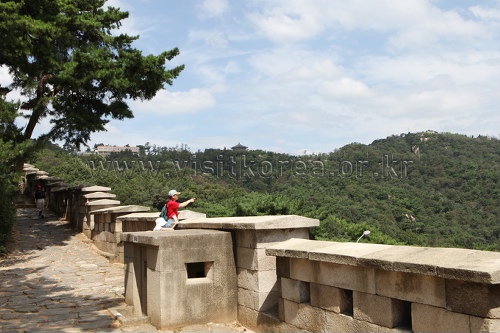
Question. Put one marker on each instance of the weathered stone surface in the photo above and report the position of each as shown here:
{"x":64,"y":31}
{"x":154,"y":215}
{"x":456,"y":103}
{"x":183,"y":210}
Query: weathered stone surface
{"x":190,"y":276}
{"x":346,"y":277}
{"x":336,"y":322}
{"x":411,"y":287}
{"x":460,"y":264}
{"x":265,"y":238}
{"x":254,"y":259}
{"x":252,"y":222}
{"x":99,"y":195}
{"x":122,"y":210}
{"x":259,"y":281}
{"x":304,"y":316}
{"x":151,"y":217}
{"x":383,"y":311}
{"x":331,"y":298}
{"x":426,"y":318}
{"x":345,"y":253}
{"x":103,"y":202}
{"x":96,"y":189}
{"x":477,"y":299}
{"x":484,"y":325}
{"x":295,"y":291}
{"x":303,"y":270}
{"x":296,"y":248}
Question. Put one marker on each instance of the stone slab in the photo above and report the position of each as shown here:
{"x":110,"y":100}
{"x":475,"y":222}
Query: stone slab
{"x":296,"y":248}
{"x":183,"y":215}
{"x":96,"y":189}
{"x":460,"y":264}
{"x":346,"y":253}
{"x":122,"y":209}
{"x":427,"y":318}
{"x":162,"y":239}
{"x":103,"y":202}
{"x":252,"y":222}
{"x":99,"y":195}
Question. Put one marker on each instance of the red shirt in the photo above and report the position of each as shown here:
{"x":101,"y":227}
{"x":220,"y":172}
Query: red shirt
{"x":172,"y":209}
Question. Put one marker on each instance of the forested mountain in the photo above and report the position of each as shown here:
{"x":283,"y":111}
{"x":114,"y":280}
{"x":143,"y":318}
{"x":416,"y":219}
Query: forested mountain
{"x":424,"y":189}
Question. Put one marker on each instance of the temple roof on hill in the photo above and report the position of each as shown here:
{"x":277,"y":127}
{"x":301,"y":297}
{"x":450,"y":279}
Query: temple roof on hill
{"x":239,"y":146}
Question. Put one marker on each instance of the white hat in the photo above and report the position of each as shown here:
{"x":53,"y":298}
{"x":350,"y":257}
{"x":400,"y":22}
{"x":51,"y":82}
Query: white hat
{"x":173,"y":192}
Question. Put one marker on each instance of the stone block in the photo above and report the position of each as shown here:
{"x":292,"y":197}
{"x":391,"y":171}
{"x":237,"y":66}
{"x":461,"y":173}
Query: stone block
{"x":331,"y":298}
{"x":260,"y":281}
{"x":281,"y":309}
{"x":283,"y":267}
{"x":336,"y":322}
{"x":265,"y":238}
{"x":380,"y":310}
{"x":110,"y":237}
{"x":346,"y":277}
{"x":345,"y":253}
{"x":246,"y":298}
{"x":295,"y":291}
{"x":304,"y":316}
{"x":411,"y":287}
{"x":254,"y":259}
{"x":256,"y":300}
{"x":116,"y":227}
{"x":484,"y":325}
{"x":264,"y":322}
{"x":427,"y":318}
{"x":478,"y":299}
{"x":298,"y":248}
{"x":304,"y":269}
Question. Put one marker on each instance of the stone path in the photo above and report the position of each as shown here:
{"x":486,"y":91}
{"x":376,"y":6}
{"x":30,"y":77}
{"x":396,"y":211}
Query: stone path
{"x":54,"y":282}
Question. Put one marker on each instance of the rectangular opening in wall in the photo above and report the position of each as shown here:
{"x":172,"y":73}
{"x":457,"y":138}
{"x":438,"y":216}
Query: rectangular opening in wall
{"x":305,"y":293}
{"x":196,"y":270}
{"x":404,"y":309}
{"x":346,"y":307}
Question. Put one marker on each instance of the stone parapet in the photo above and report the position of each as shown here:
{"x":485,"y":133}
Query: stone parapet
{"x":107,"y":228}
{"x":181,"y":278}
{"x":256,"y":271}
{"x":461,"y":264}
{"x":376,"y":288}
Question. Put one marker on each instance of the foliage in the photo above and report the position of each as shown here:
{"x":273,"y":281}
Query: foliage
{"x":12,"y":151}
{"x":71,"y":68}
{"x":421,"y":189}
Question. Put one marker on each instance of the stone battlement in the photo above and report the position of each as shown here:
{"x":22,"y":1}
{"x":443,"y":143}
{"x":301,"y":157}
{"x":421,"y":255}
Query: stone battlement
{"x":370,"y":287}
{"x":272,"y":277}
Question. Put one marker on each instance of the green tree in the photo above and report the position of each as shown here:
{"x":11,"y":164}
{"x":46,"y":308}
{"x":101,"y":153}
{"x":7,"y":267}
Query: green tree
{"x":69,"y":65}
{"x":12,"y":150}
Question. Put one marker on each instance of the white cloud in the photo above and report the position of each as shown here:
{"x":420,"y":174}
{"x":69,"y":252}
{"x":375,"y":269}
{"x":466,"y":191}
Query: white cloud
{"x":166,"y":102}
{"x":287,"y":22}
{"x":318,"y":74}
{"x":213,"y":39}
{"x":486,"y":13}
{"x":213,"y":8}
{"x":345,"y":88}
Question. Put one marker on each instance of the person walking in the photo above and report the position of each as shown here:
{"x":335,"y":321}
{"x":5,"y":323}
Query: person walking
{"x":40,"y":200}
{"x":171,"y":218}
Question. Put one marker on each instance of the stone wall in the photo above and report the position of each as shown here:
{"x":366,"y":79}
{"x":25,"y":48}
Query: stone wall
{"x":181,"y":278}
{"x":282,"y":281}
{"x":351,"y":287}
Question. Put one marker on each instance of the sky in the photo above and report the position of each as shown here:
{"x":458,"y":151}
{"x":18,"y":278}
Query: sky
{"x":310,"y":76}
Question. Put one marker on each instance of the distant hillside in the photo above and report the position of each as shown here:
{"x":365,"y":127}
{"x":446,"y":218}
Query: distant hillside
{"x":425,"y":189}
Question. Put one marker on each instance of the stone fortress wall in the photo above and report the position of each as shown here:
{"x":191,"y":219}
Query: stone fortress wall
{"x":264,"y":272}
